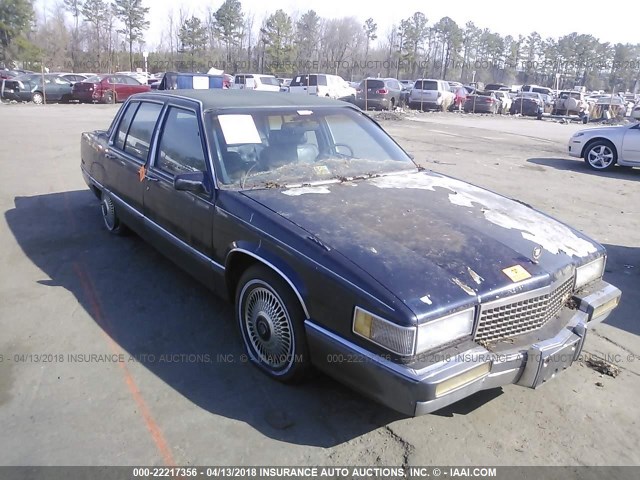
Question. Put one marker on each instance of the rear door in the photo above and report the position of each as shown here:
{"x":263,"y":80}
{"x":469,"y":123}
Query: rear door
{"x":126,"y":158}
{"x":133,"y":86}
{"x":250,"y":82}
{"x":181,"y":222}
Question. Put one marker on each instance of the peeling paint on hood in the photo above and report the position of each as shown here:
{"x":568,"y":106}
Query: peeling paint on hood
{"x":548,"y":233}
{"x":305,"y":190}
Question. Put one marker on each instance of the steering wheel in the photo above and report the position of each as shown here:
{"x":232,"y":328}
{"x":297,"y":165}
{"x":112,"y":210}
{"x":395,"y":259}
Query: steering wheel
{"x":345,"y":146}
{"x":325,"y":155}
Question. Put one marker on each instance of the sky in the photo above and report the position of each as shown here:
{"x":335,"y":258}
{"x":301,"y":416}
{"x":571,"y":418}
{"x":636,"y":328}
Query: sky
{"x":550,"y":18}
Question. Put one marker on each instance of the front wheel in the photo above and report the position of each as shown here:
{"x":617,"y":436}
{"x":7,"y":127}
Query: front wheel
{"x":271,"y":319}
{"x":37,"y":98}
{"x":601,"y":155}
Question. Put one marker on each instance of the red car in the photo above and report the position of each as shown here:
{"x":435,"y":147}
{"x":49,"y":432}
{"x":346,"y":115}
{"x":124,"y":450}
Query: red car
{"x":107,"y":88}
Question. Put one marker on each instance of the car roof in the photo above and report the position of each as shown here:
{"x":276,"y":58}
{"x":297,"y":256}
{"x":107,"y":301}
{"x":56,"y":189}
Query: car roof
{"x":218,"y":98}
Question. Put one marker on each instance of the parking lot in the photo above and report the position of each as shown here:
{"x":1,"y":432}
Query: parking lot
{"x":111,"y":355}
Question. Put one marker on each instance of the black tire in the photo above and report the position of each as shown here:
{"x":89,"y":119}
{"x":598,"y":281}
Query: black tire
{"x":600,"y":155}
{"x":110,"y":216}
{"x":270,"y":319}
{"x":37,"y":98}
{"x":392,"y":104}
{"x":109,"y":97}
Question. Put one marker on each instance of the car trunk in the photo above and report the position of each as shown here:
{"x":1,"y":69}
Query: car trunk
{"x":373,"y":89}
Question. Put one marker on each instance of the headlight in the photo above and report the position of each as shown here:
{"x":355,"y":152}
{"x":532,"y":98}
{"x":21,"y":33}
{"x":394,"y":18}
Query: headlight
{"x":590,"y":272}
{"x":402,"y":340}
{"x":398,"y":339}
{"x":445,"y":330}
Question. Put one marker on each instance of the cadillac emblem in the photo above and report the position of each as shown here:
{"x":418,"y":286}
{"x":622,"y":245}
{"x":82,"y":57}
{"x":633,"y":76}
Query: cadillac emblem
{"x":536,"y":254}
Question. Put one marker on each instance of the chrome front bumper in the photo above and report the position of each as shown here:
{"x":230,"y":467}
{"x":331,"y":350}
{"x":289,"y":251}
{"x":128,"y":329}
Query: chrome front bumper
{"x":417,"y":392}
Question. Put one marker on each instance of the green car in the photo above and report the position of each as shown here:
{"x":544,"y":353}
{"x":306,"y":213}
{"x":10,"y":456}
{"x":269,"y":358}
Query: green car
{"x":29,"y":88}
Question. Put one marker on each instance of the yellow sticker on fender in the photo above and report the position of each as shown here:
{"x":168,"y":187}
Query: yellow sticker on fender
{"x":516,"y":273}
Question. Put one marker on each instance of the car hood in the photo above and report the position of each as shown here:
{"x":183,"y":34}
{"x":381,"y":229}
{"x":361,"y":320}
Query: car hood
{"x":601,"y":130}
{"x":433,"y":241}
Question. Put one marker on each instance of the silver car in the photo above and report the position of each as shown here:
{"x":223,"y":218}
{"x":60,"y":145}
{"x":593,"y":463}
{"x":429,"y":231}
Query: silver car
{"x":429,"y":94}
{"x":603,"y":147}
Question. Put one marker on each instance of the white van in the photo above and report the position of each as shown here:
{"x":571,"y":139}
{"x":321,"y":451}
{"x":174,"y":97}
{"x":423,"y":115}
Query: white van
{"x":256,"y":81}
{"x":322,"y":85}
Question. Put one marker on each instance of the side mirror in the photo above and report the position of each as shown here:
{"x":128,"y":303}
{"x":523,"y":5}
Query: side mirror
{"x":190,"y":182}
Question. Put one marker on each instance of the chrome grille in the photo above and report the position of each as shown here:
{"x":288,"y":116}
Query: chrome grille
{"x":524,"y":314}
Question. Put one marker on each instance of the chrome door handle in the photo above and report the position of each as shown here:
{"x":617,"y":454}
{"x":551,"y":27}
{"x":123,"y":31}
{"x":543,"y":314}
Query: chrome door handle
{"x":109,"y":155}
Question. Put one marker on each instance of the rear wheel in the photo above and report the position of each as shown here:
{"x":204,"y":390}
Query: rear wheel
{"x":109,"y":97}
{"x":601,"y":155}
{"x":271,"y":319}
{"x":110,"y":216}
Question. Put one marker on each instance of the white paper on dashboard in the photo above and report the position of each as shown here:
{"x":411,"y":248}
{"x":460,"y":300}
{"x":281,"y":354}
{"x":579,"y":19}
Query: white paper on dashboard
{"x":239,"y":129}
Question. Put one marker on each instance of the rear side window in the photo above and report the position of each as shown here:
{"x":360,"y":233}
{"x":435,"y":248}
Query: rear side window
{"x":306,"y":80}
{"x":426,"y":85}
{"x":180,"y":146}
{"x":125,"y":123}
{"x":269,"y":81}
{"x":141,"y":130}
{"x":130,"y":81}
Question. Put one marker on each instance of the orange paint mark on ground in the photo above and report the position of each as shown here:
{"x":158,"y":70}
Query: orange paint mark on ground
{"x":151,"y":424}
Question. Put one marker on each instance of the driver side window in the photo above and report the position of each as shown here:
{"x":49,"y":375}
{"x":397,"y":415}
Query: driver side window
{"x":180,"y":146}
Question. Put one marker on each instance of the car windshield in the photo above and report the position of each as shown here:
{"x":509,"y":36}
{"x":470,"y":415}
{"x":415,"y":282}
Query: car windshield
{"x":94,"y":79}
{"x":280,"y":147}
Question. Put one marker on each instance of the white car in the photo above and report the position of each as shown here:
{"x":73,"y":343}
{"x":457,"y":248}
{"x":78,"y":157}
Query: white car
{"x":505,"y":100}
{"x":431,"y":94}
{"x":322,"y":85}
{"x":603,"y":147}
{"x":256,"y":81}
{"x":142,"y":77}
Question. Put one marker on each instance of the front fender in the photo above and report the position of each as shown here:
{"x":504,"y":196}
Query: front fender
{"x":239,"y":251}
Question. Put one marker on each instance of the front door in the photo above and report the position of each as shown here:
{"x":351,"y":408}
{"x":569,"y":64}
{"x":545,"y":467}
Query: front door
{"x":181,"y":222}
{"x":631,"y":144}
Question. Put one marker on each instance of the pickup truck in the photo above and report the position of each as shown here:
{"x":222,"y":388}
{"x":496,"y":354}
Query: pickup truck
{"x":273,"y":201}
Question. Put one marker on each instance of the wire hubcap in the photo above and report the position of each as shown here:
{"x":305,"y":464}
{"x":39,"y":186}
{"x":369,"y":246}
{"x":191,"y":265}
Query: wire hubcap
{"x":108,"y":213}
{"x":268,"y":328}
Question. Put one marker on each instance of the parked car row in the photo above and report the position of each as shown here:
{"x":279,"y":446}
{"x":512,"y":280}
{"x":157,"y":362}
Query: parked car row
{"x":370,"y":93}
{"x":56,"y":87}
